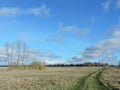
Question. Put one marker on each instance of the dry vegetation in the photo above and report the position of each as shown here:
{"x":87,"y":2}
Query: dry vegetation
{"x":89,"y":82}
{"x":53,"y":78}
{"x":111,"y":78}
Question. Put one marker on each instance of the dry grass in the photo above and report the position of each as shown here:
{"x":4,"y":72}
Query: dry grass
{"x":111,"y":78}
{"x":53,"y":78}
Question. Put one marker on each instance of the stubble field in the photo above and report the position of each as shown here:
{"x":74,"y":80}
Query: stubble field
{"x":53,"y":78}
{"x":111,"y":78}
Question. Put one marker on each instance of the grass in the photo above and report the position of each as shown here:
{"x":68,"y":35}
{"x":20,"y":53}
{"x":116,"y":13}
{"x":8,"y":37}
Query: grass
{"x":53,"y":78}
{"x":89,"y":82}
{"x":111,"y":78}
{"x":60,"y":78}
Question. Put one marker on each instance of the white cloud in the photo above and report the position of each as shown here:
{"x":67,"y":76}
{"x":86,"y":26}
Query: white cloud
{"x":104,"y":47}
{"x":3,"y":52}
{"x":73,"y":29}
{"x":109,"y":58}
{"x":106,"y":5}
{"x":25,"y":36}
{"x":47,"y":54}
{"x":54,"y":39}
{"x":47,"y":57}
{"x":53,"y":62}
{"x":118,"y":4}
{"x":42,"y":10}
{"x":115,"y":32}
{"x":5,"y":11}
{"x":33,"y":53}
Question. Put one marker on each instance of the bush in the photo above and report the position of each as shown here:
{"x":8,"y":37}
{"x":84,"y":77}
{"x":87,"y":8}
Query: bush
{"x":13,"y":64}
{"x":34,"y":65}
{"x":38,"y":65}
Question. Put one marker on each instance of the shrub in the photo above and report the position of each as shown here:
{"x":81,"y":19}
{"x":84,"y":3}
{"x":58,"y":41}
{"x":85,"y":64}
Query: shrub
{"x":38,"y":65}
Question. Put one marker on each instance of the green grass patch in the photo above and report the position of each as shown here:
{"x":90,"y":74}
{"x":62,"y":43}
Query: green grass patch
{"x":90,"y":82}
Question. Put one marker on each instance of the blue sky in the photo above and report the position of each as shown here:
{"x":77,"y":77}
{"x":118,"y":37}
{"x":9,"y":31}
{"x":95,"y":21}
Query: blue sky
{"x":68,"y":30}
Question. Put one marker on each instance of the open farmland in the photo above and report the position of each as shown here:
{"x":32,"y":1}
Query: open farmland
{"x":111,"y":78}
{"x":102,"y":79}
{"x":53,"y":78}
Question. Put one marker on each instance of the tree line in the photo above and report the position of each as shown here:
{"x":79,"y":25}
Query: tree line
{"x":86,"y":64}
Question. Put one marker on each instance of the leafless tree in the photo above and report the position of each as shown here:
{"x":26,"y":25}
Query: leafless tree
{"x":18,"y":51}
{"x":15,"y":52}
{"x":8,"y":52}
{"x":25,"y":52}
{"x":22,"y":51}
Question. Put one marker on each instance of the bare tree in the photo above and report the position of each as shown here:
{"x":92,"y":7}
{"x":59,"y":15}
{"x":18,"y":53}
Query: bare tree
{"x":18,"y":51}
{"x":12,"y":51}
{"x":8,"y":52}
{"x":15,"y":52}
{"x":25,"y":52}
{"x":22,"y":52}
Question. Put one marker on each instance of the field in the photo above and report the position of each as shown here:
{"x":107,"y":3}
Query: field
{"x":53,"y":78}
{"x":111,"y":78}
{"x":61,"y":78}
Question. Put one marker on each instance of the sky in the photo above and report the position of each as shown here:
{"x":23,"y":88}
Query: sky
{"x":64,"y":31}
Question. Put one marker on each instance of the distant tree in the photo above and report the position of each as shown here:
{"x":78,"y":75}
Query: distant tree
{"x":14,"y":52}
{"x":88,"y":64}
{"x":18,"y":51}
{"x":8,"y":52}
{"x":25,"y":53}
{"x":22,"y":51}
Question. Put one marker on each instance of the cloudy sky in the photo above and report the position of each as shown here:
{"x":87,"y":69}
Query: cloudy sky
{"x":64,"y":31}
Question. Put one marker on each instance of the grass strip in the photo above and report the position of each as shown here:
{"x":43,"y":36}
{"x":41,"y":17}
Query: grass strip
{"x":89,"y":82}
